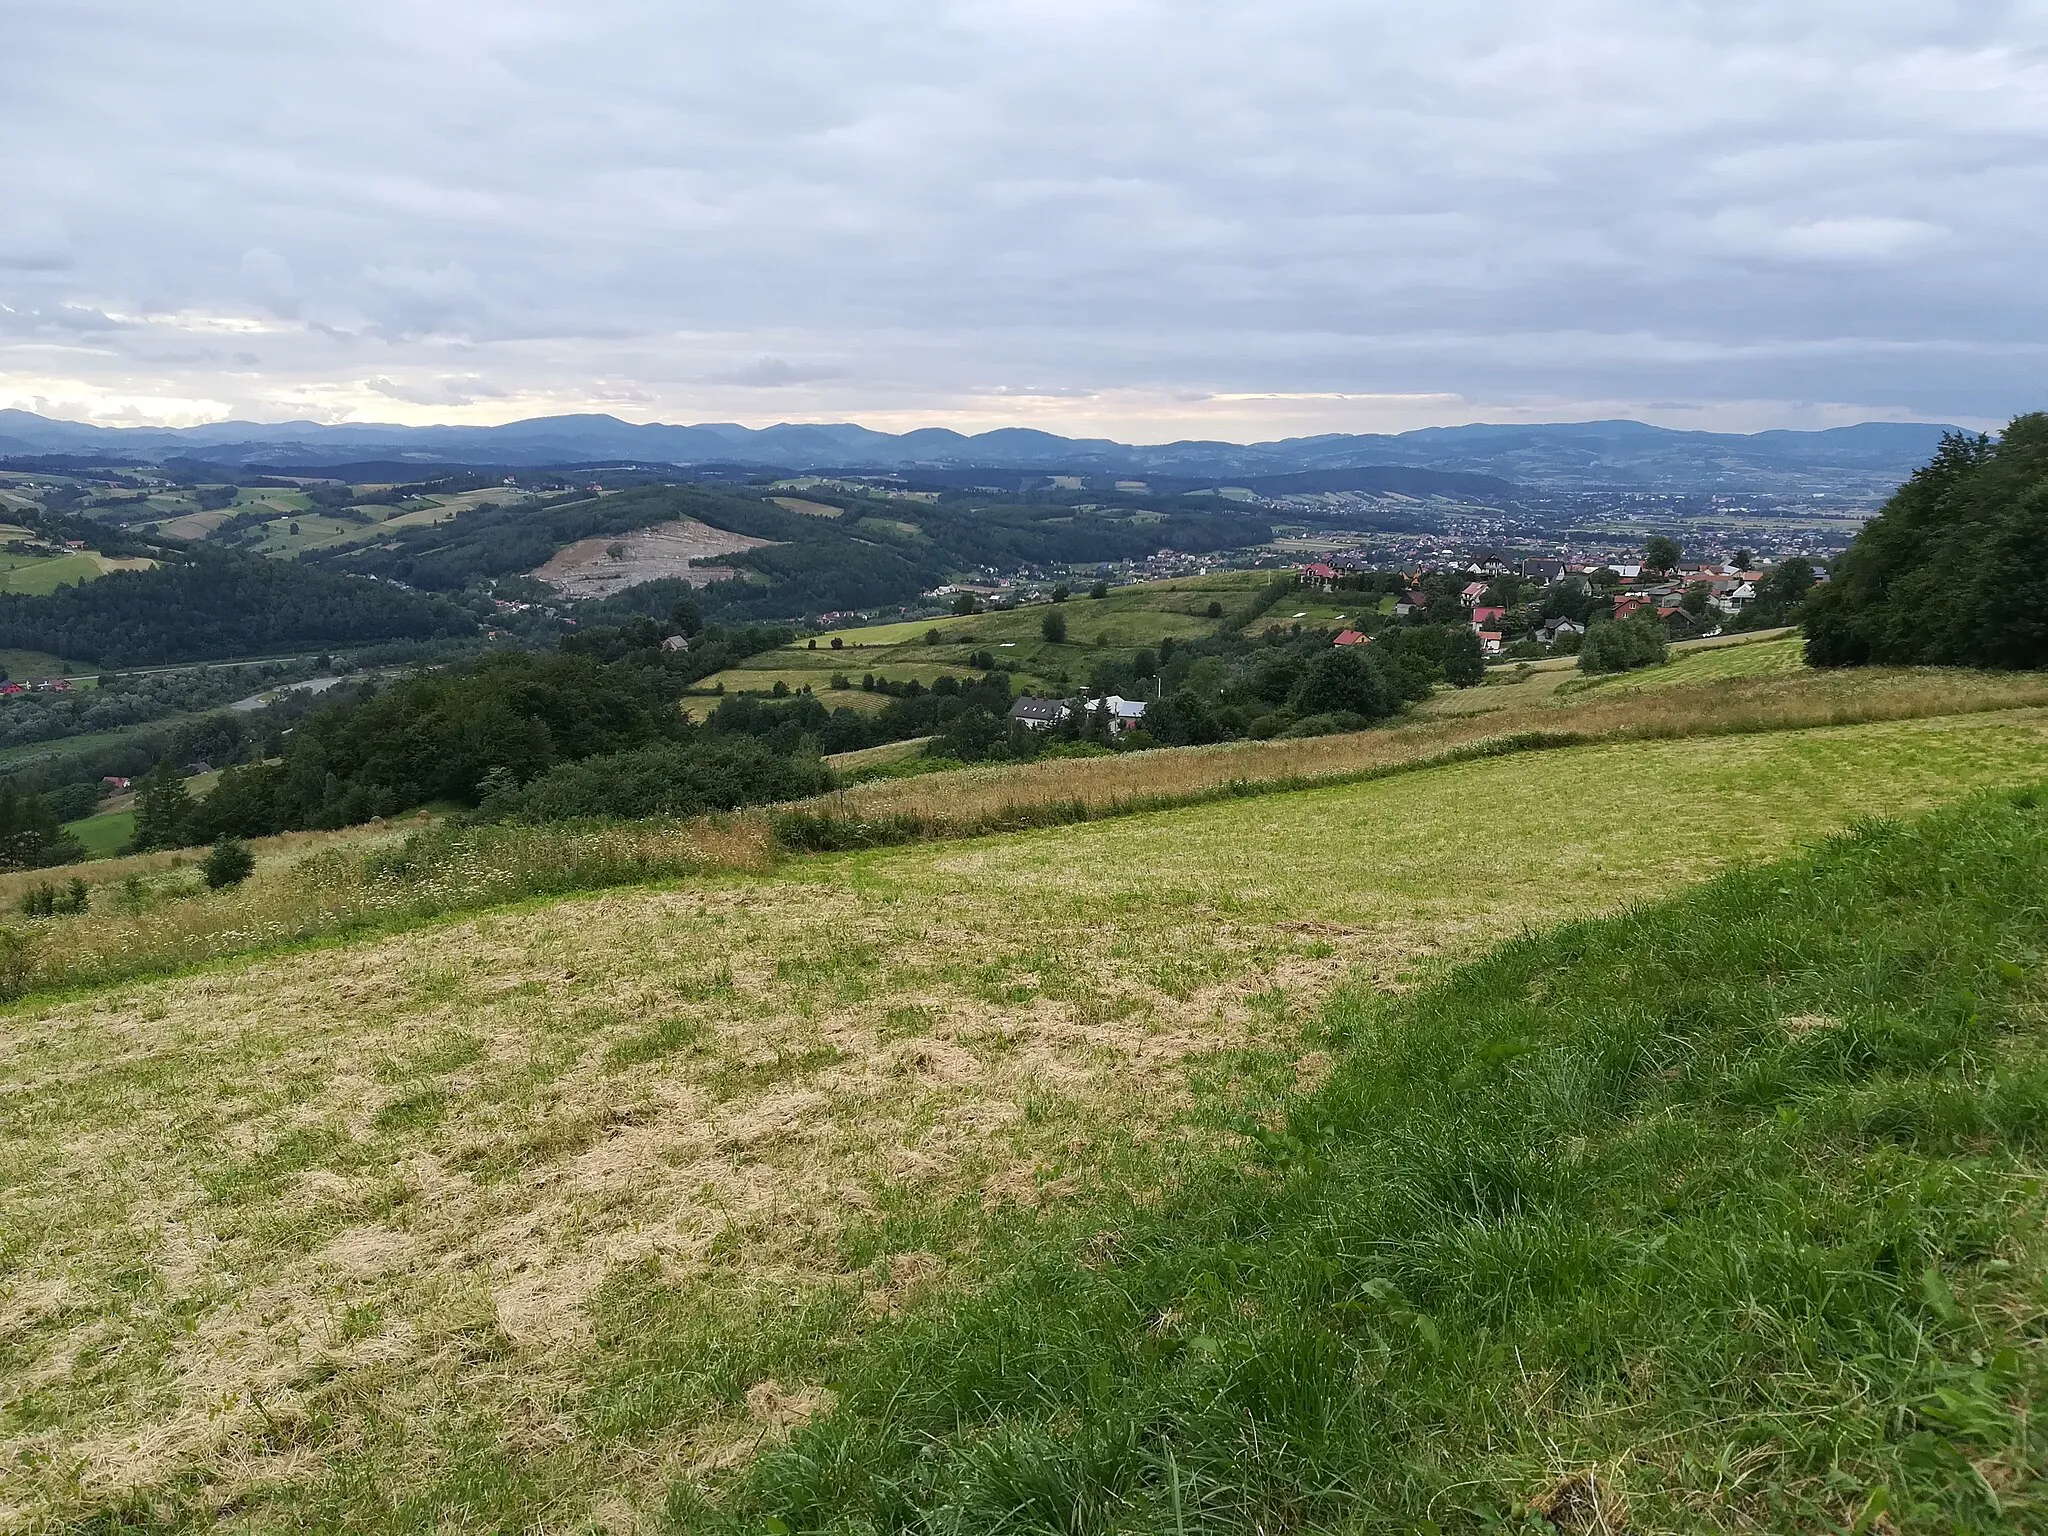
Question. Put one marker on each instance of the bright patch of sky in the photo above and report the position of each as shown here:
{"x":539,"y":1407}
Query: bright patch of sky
{"x":1141,"y":220}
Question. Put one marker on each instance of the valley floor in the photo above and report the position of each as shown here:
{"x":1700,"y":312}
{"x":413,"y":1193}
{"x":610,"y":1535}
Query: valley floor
{"x":385,"y":1233}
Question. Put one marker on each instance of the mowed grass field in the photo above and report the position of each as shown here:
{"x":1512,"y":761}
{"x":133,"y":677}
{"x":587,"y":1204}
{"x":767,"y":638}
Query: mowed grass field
{"x":521,"y":1220}
{"x":1127,"y":620}
{"x":1724,"y":659}
{"x":40,"y":575}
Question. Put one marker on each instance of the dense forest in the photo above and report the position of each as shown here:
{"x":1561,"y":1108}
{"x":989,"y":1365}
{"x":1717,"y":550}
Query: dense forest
{"x":1954,"y":570}
{"x":874,"y":552}
{"x":218,"y":606}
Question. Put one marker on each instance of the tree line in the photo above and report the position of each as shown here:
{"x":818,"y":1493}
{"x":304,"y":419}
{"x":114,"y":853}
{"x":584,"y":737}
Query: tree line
{"x":1954,"y":570}
{"x":589,"y":729}
{"x":215,"y":606}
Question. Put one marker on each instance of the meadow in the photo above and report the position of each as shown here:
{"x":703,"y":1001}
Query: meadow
{"x":40,"y":575}
{"x":1723,"y":658}
{"x":295,"y":899}
{"x":1119,"y":625}
{"x":544,"y":1215}
{"x":23,"y":665}
{"x":1006,"y":796}
{"x":1722,"y":1215}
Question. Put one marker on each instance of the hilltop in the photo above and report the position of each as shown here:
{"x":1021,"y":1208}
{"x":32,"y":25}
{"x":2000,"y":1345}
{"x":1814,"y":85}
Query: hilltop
{"x":1553,"y":455}
{"x":1579,"y":1099}
{"x":572,"y":1205}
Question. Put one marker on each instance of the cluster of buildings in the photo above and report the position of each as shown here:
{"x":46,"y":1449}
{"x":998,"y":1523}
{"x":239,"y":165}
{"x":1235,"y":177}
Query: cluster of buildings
{"x":39,"y":685}
{"x":1727,"y":590}
{"x":1120,"y":714}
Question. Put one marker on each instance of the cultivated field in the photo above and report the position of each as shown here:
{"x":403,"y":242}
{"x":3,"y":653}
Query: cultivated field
{"x":521,"y":1220}
{"x":40,"y":575}
{"x":611,"y":563}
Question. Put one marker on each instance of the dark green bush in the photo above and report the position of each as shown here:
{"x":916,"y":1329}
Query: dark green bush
{"x":715,"y":772}
{"x":1624,"y":645}
{"x":227,"y":862}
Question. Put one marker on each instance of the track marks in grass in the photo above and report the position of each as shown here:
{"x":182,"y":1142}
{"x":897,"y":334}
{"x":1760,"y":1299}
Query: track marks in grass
{"x":1680,"y":1254}
{"x":761,"y":1084}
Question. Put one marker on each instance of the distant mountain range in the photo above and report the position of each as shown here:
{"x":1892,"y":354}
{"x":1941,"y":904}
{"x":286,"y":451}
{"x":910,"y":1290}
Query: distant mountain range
{"x":1865,"y":458}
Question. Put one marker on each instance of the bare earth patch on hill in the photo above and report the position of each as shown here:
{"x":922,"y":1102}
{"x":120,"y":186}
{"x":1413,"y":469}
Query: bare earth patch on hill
{"x":587,"y":568}
{"x":362,"y":1206}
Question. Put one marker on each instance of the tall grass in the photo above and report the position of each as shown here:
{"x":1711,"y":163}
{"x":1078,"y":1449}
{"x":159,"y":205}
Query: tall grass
{"x":169,"y":920}
{"x":1725,"y":1214}
{"x":1014,"y":796}
{"x":316,"y":884}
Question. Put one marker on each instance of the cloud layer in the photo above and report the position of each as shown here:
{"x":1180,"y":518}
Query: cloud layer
{"x":1147,"y":219}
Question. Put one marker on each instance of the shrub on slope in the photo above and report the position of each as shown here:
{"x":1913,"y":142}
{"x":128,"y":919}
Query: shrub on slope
{"x":1724,"y":1213}
{"x":1954,"y":570}
{"x":711,"y":773}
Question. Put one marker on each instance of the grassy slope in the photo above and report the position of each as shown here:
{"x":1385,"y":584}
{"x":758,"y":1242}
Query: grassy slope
{"x":1119,"y":624}
{"x":1720,"y":660}
{"x":38,"y":576}
{"x":104,"y":835}
{"x":1725,"y":1214}
{"x":25,"y":665}
{"x":500,"y":1214}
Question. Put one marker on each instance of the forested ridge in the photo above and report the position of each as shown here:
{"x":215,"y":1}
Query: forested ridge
{"x":876,"y":551}
{"x":218,"y":606}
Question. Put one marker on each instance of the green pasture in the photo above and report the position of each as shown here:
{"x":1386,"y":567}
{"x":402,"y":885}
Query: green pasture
{"x":40,"y":575}
{"x":563,"y":1214}
{"x":1723,"y":1215}
{"x":1317,"y":610}
{"x":22,"y":666}
{"x":1126,"y":620}
{"x":1558,"y":680}
{"x":104,"y":835}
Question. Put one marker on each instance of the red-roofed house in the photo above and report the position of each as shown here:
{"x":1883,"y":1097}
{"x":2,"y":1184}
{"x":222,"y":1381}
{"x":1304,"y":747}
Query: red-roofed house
{"x":1488,"y":615}
{"x":1322,"y":577}
{"x":1474,"y":591}
{"x":1489,"y":642}
{"x":1352,"y":637}
{"x":1624,"y":606}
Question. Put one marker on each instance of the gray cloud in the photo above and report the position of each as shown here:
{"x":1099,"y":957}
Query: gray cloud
{"x":1149,"y":216}
{"x":774,"y":373}
{"x":436,"y":391}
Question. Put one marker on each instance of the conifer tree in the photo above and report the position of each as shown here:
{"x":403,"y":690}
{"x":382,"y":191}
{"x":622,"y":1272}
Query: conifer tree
{"x":163,"y":809}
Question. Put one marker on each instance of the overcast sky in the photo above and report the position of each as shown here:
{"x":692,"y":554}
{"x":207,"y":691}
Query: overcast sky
{"x":1143,"y":220}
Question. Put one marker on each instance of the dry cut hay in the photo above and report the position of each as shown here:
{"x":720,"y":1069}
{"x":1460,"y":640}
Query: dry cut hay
{"x":1072,"y":789}
{"x":407,"y":1180}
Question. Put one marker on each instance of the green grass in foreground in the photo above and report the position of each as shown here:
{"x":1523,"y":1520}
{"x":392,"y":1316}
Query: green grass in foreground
{"x":1726,"y":1213}
{"x":506,"y":1223}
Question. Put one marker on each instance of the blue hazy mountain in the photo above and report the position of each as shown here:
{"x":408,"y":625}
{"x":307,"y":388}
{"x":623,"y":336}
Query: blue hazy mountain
{"x":1612,"y":453}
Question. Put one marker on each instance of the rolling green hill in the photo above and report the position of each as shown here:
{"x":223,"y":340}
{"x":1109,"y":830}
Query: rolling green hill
{"x":1725,"y":1214}
{"x":1130,"y":618}
{"x":565,"y":1212}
